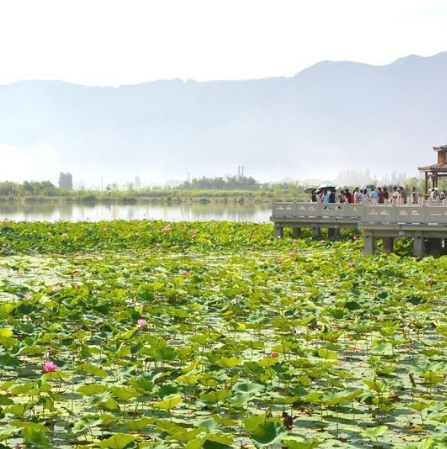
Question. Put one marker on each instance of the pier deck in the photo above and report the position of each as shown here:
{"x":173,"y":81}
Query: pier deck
{"x":425,"y":223}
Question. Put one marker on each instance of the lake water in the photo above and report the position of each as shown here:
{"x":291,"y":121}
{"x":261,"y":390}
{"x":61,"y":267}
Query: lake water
{"x":98,"y":212}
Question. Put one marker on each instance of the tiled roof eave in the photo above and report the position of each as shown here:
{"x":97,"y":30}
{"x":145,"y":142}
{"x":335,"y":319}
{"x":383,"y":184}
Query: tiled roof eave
{"x":434,"y":168}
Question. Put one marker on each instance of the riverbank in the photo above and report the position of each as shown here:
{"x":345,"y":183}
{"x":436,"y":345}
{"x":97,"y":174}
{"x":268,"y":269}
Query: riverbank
{"x":131,"y":199}
{"x":159,"y":196}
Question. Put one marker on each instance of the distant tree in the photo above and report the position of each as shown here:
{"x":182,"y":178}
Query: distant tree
{"x":222,"y":183}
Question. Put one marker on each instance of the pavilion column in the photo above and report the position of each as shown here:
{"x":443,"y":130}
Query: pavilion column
{"x":426,"y":183}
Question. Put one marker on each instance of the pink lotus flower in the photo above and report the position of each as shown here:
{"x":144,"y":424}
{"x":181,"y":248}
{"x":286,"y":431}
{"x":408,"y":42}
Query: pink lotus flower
{"x":141,"y":323}
{"x":184,"y":272}
{"x":167,"y":228}
{"x":78,"y":287}
{"x":49,"y":234}
{"x":429,"y":282}
{"x":158,"y":244}
{"x":105,"y":229}
{"x":355,"y":238}
{"x":273,"y":355}
{"x":28,"y":296}
{"x":350,"y":264}
{"x":56,"y":288}
{"x":64,"y":235}
{"x":4,"y":245}
{"x":49,"y":367}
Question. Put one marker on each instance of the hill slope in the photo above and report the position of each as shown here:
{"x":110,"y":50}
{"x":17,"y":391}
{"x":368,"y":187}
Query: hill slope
{"x":331,"y":116}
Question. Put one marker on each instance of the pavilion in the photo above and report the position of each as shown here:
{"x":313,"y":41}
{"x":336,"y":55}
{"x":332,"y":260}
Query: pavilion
{"x":436,"y":171}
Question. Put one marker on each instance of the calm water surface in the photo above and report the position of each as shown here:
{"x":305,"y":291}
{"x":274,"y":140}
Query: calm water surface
{"x":98,"y":212}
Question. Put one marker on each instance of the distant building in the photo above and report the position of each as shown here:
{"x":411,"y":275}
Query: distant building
{"x":66,"y":181}
{"x":137,"y":183}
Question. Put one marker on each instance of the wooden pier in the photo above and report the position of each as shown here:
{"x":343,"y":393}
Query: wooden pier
{"x":426,"y":224}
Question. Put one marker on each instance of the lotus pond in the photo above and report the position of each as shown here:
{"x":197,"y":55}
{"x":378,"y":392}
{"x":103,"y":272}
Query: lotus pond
{"x":216,"y":335}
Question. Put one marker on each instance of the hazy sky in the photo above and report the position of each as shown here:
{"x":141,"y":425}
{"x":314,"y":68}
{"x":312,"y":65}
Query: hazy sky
{"x":113,"y":42}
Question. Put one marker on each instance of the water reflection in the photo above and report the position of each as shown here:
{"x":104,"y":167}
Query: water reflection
{"x":97,"y":212}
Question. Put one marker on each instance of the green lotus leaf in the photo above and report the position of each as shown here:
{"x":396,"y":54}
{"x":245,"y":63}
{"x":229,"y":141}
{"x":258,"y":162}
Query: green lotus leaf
{"x":304,"y":444}
{"x":230,"y":362}
{"x":327,"y":354}
{"x":213,"y":397}
{"x":91,"y":389}
{"x":165,"y":353}
{"x":382,"y":348}
{"x":168,"y":404}
{"x":375,"y":432}
{"x":8,"y":361}
{"x":117,"y":441}
{"x":138,"y":424}
{"x":35,"y":437}
{"x":123,"y":393}
{"x":264,"y":431}
{"x":5,"y":333}
{"x":93,"y":370}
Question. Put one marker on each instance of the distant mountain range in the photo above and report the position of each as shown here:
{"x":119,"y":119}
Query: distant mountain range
{"x":332,"y":116}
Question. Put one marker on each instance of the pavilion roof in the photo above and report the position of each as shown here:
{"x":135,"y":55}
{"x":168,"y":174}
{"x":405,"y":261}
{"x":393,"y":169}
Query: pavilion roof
{"x":441,"y":148}
{"x":435,"y":167}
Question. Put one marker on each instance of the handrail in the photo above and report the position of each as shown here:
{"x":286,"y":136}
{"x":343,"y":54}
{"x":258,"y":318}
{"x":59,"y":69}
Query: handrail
{"x":424,"y":213}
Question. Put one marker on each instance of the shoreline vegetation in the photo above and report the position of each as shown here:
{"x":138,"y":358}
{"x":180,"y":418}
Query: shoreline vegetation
{"x":157,"y":197}
{"x":204,"y":191}
{"x":230,"y":190}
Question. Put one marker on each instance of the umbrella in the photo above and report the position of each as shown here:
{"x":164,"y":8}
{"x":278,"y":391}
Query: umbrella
{"x":369,"y":186}
{"x":309,"y":189}
{"x":327,"y":186}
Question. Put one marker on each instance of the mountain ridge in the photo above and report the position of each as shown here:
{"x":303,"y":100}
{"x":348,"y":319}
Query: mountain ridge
{"x":329,"y":117}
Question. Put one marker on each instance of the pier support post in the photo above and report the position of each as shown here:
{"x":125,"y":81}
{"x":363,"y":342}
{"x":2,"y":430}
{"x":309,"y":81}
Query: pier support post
{"x":296,"y":233}
{"x":419,"y":245}
{"x":444,"y":248}
{"x":315,"y":231}
{"x":333,"y":233}
{"x":279,"y":231}
{"x":436,"y":247}
{"x":370,"y":243}
{"x":388,"y":245}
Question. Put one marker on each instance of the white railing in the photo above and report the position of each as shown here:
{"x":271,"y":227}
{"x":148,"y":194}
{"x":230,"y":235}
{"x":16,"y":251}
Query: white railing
{"x":365,"y":213}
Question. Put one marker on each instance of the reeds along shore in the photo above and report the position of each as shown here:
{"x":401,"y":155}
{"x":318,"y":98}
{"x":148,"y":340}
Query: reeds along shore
{"x":166,"y":197}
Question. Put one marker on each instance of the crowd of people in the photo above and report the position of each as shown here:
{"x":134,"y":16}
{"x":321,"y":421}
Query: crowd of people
{"x":373,"y":195}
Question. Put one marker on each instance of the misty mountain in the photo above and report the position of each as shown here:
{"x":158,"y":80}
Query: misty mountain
{"x":329,"y":117}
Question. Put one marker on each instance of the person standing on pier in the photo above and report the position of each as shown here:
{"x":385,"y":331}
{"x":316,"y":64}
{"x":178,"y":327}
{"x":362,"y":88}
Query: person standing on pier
{"x":414,"y":196}
{"x":386,"y":195}
{"x":373,"y":196}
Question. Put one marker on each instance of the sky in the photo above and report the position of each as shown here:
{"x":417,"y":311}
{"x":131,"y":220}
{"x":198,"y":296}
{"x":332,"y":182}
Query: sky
{"x":115,"y":42}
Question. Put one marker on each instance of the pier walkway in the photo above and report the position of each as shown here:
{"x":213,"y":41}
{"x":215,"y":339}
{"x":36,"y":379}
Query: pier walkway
{"x":425,"y":223}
